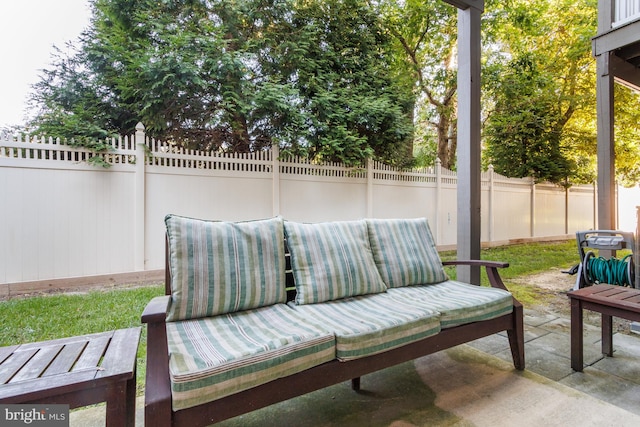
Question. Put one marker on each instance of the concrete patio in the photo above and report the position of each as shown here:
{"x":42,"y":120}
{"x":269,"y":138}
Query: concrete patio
{"x":473,"y":385}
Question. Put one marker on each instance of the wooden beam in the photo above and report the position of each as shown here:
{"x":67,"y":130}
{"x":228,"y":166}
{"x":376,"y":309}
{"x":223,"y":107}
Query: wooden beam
{"x":616,"y":38}
{"x":466,"y":4}
{"x":606,"y":141}
{"x":468,"y":161}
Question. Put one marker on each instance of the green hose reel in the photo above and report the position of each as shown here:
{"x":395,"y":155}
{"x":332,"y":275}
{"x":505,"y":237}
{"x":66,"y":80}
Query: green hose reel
{"x":612,"y":271}
{"x":597,"y":269}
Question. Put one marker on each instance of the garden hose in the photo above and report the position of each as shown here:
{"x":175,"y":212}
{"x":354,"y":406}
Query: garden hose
{"x":612,"y":271}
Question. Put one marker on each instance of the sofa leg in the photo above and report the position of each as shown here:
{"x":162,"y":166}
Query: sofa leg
{"x":355,"y":384}
{"x":516,"y":338}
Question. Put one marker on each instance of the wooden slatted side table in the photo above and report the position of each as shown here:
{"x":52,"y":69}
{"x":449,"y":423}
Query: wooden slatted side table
{"x":609,"y":300}
{"x":76,"y":371}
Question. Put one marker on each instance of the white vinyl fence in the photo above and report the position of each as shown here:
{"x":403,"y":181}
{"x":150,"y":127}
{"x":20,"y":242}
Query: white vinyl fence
{"x":62,"y":217}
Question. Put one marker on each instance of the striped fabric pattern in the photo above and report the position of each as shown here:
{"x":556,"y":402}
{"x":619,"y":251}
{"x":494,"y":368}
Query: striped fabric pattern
{"x":222,"y":267}
{"x":371,"y":324}
{"x":405,"y":252}
{"x":331,"y":260}
{"x":217,"y":356}
{"x":458,"y":303}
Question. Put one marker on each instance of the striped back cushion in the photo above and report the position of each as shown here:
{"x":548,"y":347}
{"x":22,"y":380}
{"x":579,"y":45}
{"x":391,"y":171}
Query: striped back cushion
{"x":405,"y":252}
{"x":223,"y":267}
{"x":331,"y":260}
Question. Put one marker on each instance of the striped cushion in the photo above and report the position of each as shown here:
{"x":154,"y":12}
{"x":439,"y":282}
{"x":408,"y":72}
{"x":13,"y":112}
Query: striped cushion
{"x":222,"y":267}
{"x":404,"y":252}
{"x":214,"y":357}
{"x":331,"y":260}
{"x":371,"y":324}
{"x":458,"y":303}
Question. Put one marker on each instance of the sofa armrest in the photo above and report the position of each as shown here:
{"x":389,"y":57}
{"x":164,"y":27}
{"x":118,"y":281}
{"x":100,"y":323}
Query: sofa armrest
{"x":477,"y":262}
{"x":158,"y":384}
{"x":491,"y":268}
{"x":156,"y":310}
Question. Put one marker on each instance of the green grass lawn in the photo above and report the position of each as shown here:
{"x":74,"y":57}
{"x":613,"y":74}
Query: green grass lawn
{"x":61,"y":315}
{"x":524,"y":260}
{"x":49,"y":317}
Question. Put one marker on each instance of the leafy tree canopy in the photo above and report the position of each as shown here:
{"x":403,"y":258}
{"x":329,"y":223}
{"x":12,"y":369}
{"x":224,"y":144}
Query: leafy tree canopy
{"x":312,"y":76}
{"x":540,"y":86}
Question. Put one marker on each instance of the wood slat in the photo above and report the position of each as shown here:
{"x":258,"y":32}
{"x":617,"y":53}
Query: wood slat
{"x":93,"y":352}
{"x":121,"y":355}
{"x":14,"y":363}
{"x":623,"y":296}
{"x":37,"y":364}
{"x":634,"y":299}
{"x":6,"y":352}
{"x":609,"y":292}
{"x":67,"y":340}
{"x":67,"y":357}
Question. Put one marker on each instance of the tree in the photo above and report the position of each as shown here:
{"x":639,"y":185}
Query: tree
{"x":627,"y":129}
{"x":524,"y":133}
{"x":425,"y":34}
{"x":311,"y":76}
{"x":335,"y":58}
{"x":535,"y":93}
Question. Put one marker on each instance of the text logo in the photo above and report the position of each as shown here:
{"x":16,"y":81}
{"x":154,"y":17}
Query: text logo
{"x":34,"y":415}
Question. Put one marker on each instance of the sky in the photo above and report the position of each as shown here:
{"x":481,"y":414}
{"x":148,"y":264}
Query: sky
{"x":28,"y":31}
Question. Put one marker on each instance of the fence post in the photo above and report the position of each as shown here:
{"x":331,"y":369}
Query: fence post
{"x":275,"y":174}
{"x":369,"y":187}
{"x":139,"y":214}
{"x":532,"y":211}
{"x":566,"y":210}
{"x":491,"y":202}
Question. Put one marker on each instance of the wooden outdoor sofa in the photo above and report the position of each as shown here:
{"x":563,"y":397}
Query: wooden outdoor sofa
{"x":262,"y":311}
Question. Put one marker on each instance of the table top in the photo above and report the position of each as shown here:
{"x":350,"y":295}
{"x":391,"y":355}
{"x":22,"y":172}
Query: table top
{"x":67,"y":364}
{"x":615,"y":296}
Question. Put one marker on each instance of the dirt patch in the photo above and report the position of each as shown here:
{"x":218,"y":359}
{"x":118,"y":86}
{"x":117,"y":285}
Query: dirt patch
{"x":552,"y":286}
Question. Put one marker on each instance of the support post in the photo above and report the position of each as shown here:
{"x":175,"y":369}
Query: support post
{"x":606,"y":154}
{"x":468,"y":163}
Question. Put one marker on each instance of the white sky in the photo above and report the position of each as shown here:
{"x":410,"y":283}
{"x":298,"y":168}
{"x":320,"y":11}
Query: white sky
{"x":28,"y":31}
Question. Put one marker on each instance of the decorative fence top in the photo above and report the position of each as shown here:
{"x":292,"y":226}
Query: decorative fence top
{"x":125,"y":152}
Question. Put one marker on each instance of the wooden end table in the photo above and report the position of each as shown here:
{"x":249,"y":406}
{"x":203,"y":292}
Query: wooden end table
{"x":75,"y":371}
{"x":609,"y":300}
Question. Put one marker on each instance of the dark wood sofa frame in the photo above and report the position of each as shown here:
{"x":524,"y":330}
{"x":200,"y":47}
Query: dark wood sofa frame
{"x":158,"y":410}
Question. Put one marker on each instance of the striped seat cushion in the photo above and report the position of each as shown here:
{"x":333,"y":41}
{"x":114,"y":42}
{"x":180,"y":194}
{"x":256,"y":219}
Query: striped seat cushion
{"x":458,"y":303}
{"x":405,"y":252}
{"x":221,"y":267}
{"x":370,"y":324}
{"x":217,"y":356}
{"x":331,"y":260}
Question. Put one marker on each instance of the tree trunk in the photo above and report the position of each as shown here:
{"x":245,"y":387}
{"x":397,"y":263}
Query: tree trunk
{"x":447,"y":139}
